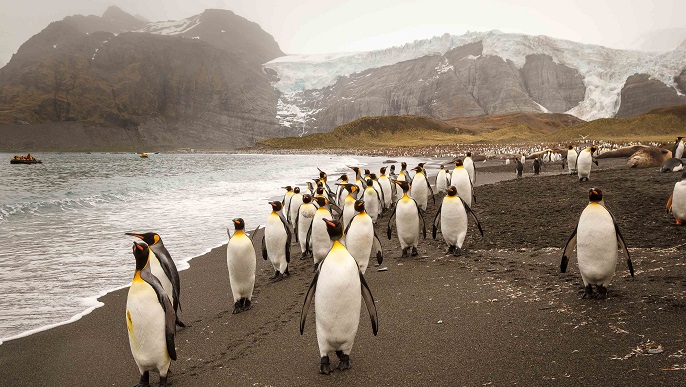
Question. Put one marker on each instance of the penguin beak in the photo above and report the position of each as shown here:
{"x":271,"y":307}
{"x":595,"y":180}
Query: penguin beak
{"x":329,"y":223}
{"x":135,"y":235}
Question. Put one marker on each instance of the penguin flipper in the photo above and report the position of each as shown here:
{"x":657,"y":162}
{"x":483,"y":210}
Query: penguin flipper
{"x":347,"y":227}
{"x":620,"y":239}
{"x":431,"y":190}
{"x":395,"y":207}
{"x":595,"y":161}
{"x":569,"y":247}
{"x":295,"y":227}
{"x":369,"y":302}
{"x":252,"y":236}
{"x":228,"y":232}
{"x":377,"y":249}
{"x":308,"y":298}
{"x":308,"y":238}
{"x":336,"y":208}
{"x":264,"y":248}
{"x":437,"y":219}
{"x":669,"y":203}
{"x":169,"y":313}
{"x":420,"y":213}
{"x":478,"y":224}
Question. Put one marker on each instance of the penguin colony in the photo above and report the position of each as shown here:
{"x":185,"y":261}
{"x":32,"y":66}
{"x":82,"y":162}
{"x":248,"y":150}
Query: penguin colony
{"x":335,"y":228}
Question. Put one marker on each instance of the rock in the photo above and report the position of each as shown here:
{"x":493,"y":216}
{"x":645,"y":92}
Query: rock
{"x":641,"y":94}
{"x":556,"y":87}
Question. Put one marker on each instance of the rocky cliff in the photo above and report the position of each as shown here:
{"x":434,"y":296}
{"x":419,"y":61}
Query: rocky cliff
{"x":642,"y":94}
{"x":203,"y":88}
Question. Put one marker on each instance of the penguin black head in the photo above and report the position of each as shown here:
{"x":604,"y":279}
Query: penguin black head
{"x":372,"y":176}
{"x":276,"y":206}
{"x":356,"y":169}
{"x":536,"y":159}
{"x":359,"y":205}
{"x":369,"y":182}
{"x":679,"y":138}
{"x":452,"y":191}
{"x":403,"y":165}
{"x":593,"y":148}
{"x":239,"y":224}
{"x":343,"y":178}
{"x":392,"y":167}
{"x":570,"y":147}
{"x":404,"y":185}
{"x":320,"y":184}
{"x":459,"y":163}
{"x":288,"y":188}
{"x":307,"y":198}
{"x":140,"y":252}
{"x":296,"y":190}
{"x":151,"y":238}
{"x":322,"y":174}
{"x":320,"y":190}
{"x":382,"y":170}
{"x":442,"y":166}
{"x":417,"y":168}
{"x":321,"y":201}
{"x":310,"y":185}
{"x":366,"y":172}
{"x":595,"y":195}
{"x":334,"y":228}
{"x":469,"y":154}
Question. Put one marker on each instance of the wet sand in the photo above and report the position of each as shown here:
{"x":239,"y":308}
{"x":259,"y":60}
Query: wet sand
{"x":502,"y":314}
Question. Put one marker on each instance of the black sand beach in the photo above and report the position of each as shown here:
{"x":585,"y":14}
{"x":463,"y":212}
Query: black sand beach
{"x":500,"y":315}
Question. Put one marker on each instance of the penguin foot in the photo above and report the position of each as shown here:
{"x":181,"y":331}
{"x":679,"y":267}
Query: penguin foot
{"x":324,"y":367}
{"x":405,"y":252}
{"x":238,"y":307}
{"x":588,"y":292}
{"x":303,"y":255}
{"x":277,"y":277}
{"x":344,"y":361}
{"x":602,"y":291}
{"x":457,"y":252}
{"x":451,"y":249}
{"x":163,"y":381}
{"x":314,"y":269}
{"x":144,"y":380}
{"x":414,"y":251}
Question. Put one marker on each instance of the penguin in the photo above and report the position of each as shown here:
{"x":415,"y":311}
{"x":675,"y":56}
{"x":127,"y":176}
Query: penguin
{"x":377,"y":187}
{"x":421,"y":188}
{"x":583,"y":163}
{"x":276,"y":243}
{"x":386,"y":188}
{"x":360,"y":238}
{"x":519,"y":168}
{"x":523,"y":159}
{"x":451,"y":217}
{"x":341,"y":193}
{"x":317,"y":236}
{"x":407,"y":214}
{"x":508,"y":161}
{"x":150,"y":319}
{"x":163,"y":267}
{"x":596,"y":237}
{"x":461,"y":181}
{"x":349,"y":203}
{"x":303,"y":221}
{"x":678,"y":151}
{"x":336,"y":289}
{"x":323,"y":177}
{"x":672,"y":165}
{"x":241,"y":262}
{"x":442,"y":180}
{"x":310,"y":188}
{"x":571,"y":159}
{"x":469,"y":166}
{"x":677,"y":201}
{"x":361,"y":184}
{"x":537,"y":166}
{"x":293,"y":207}
{"x":373,"y":197}
{"x":404,"y":175}
{"x":286,"y":202}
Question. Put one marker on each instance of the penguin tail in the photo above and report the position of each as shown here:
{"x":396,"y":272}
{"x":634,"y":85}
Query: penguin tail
{"x":180,"y":323}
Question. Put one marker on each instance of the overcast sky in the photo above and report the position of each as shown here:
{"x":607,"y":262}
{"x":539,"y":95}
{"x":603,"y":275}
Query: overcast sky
{"x":322,"y":26}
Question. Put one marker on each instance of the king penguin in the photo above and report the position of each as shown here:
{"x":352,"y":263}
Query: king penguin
{"x":303,"y":221}
{"x":276,"y":243}
{"x":163,"y":267}
{"x":341,"y":192}
{"x":452,"y":219}
{"x":360,"y":238}
{"x":421,"y":188}
{"x":519,"y":168}
{"x":407,"y":216}
{"x":462,"y":182}
{"x":286,"y":202}
{"x":349,"y":202}
{"x":386,"y":188}
{"x":596,"y":237}
{"x":537,"y":166}
{"x":678,"y":151}
{"x":677,"y":201}
{"x":361,"y":184}
{"x":293,"y":207}
{"x":241,"y":261}
{"x":583,"y":163}
{"x":469,"y":166}
{"x":571,"y":159}
{"x":442,"y":180}
{"x":336,"y":289}
{"x":150,"y":320}
{"x":317,"y":236}
{"x":373,"y":197}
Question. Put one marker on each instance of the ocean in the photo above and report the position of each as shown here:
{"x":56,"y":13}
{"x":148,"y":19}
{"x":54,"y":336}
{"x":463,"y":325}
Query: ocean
{"x":62,"y":223}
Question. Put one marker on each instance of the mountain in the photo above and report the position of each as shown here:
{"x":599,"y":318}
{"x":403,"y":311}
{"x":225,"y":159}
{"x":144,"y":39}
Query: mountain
{"x":199,"y":86}
{"x":474,"y":74}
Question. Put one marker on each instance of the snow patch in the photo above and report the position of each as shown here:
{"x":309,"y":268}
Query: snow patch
{"x":54,"y":46}
{"x":172,"y":27}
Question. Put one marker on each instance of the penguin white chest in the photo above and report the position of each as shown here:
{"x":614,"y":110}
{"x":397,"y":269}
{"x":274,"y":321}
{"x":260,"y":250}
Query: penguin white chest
{"x":321,"y":242}
{"x":275,"y":240}
{"x":571,"y":160}
{"x":463,"y":184}
{"x":583,"y":164}
{"x":385,"y":184}
{"x":296,"y":201}
{"x":305,"y":218}
{"x":679,"y":200}
{"x":359,"y":240}
{"x":453,"y":221}
{"x":145,"y":322}
{"x":407,"y":222}
{"x":596,"y":245}
{"x":241,"y":261}
{"x":419,"y":190}
{"x":337,"y":302}
{"x":441,"y":181}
